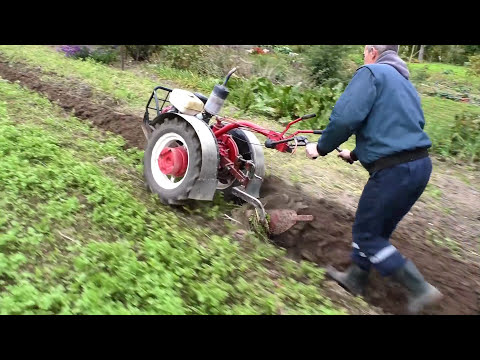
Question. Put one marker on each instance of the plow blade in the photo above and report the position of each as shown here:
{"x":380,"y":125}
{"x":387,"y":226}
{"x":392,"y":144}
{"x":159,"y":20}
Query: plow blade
{"x":282,"y":219}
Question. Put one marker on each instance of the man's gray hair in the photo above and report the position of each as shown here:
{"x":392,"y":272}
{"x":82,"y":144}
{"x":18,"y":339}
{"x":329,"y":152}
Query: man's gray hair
{"x":383,"y":48}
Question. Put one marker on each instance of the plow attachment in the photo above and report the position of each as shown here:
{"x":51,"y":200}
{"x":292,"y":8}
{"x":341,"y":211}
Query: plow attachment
{"x":280,"y":220}
{"x":283,"y":219}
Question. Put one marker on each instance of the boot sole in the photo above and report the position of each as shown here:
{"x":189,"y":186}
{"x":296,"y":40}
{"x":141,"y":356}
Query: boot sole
{"x":334,"y":274}
{"x":433,"y":297}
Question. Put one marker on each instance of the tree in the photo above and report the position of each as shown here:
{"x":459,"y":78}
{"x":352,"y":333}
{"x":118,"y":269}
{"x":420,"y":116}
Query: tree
{"x":420,"y":54}
{"x":123,"y":51}
{"x":412,"y":54}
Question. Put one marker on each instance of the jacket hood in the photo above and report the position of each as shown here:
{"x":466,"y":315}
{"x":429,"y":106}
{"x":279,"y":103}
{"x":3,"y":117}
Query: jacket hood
{"x":391,"y":58}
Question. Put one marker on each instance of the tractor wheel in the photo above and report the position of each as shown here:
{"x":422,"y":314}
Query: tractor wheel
{"x":172,"y":161}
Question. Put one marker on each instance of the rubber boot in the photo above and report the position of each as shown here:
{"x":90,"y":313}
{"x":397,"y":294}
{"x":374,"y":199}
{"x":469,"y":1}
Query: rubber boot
{"x":354,"y":279}
{"x":422,"y":293}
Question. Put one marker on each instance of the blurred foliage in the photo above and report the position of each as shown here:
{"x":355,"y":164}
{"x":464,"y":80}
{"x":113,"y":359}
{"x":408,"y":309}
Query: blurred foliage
{"x":329,"y":63}
{"x":282,"y":93}
{"x":450,"y":54}
{"x":465,"y":137}
{"x":105,"y":54}
{"x":142,"y":52}
{"x":102,"y":54}
{"x":261,"y":96}
{"x":474,"y":64}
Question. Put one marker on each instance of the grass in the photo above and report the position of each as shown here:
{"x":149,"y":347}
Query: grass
{"x":434,"y":191}
{"x":78,"y":236}
{"x":440,"y":123}
{"x":440,"y":240}
{"x":122,"y":85}
{"x":446,"y":73}
{"x":187,"y":79}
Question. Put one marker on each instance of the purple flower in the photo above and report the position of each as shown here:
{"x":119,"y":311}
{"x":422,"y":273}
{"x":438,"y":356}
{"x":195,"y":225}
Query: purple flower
{"x":70,"y":50}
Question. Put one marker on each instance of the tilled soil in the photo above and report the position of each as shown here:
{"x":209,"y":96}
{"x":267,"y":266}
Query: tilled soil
{"x":326,"y":240}
{"x":78,"y":98}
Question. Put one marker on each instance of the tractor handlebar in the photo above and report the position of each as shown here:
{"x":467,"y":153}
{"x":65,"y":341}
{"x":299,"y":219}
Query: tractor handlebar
{"x":300,"y":141}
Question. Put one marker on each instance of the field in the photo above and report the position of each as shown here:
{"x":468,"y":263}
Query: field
{"x":80,"y":234}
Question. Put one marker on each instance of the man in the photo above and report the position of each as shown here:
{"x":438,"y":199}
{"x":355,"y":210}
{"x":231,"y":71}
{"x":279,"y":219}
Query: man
{"x":382,"y":108}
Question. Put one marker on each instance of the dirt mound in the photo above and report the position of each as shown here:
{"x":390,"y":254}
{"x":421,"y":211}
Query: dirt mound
{"x":328,"y":239}
{"x":78,"y":99}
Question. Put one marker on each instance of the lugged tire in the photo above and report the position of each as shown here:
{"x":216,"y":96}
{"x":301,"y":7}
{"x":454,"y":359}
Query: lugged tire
{"x":178,"y":195}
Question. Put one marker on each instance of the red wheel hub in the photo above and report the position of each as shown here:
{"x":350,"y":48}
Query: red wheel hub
{"x":228,"y":148}
{"x":173,"y":161}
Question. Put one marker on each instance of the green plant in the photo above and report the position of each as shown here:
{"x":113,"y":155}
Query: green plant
{"x":261,"y":96}
{"x":182,"y":56}
{"x":465,"y":136}
{"x":453,"y":54}
{"x":438,"y":239}
{"x":433,"y":191}
{"x":104,"y":55}
{"x":282,"y":49}
{"x":420,"y":74}
{"x":475,"y":64}
{"x":142,"y":52}
{"x":242,"y":94}
{"x":75,"y":51}
{"x":327,"y":63}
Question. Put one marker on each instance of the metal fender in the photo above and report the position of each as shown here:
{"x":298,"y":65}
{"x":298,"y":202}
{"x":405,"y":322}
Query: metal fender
{"x":206,"y":184}
{"x":256,"y":151}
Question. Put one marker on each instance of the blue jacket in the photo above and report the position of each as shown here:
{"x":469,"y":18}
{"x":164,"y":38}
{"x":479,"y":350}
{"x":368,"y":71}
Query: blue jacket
{"x":382,"y":108}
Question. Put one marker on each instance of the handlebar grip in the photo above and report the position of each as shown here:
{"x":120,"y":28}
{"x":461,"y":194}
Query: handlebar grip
{"x":308,"y":116}
{"x":269,"y":144}
{"x":318,"y":132}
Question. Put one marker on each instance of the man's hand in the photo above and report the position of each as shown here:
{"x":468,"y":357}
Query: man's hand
{"x":345,"y":156}
{"x":311,"y":150}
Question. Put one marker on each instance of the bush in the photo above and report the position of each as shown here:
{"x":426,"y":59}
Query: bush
{"x":420,"y":74}
{"x":182,"y":56}
{"x":105,"y":55}
{"x":282,"y":49}
{"x":142,"y":52}
{"x":217,"y":60}
{"x":465,"y":136}
{"x":205,"y":60}
{"x":300,"y":49}
{"x":75,"y":51}
{"x":261,"y":96}
{"x":452,"y":54}
{"x":270,"y":66}
{"x":475,"y":64}
{"x":328,"y":63}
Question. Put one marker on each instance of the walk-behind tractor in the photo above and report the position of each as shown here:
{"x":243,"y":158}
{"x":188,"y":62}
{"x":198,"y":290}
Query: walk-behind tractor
{"x":188,"y":158}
